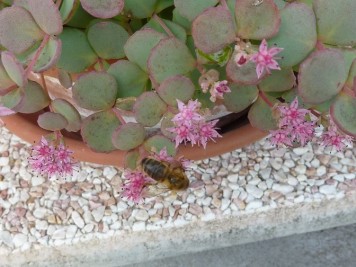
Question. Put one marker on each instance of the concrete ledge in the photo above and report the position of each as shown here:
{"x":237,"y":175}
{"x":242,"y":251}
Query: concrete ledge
{"x":133,"y":247}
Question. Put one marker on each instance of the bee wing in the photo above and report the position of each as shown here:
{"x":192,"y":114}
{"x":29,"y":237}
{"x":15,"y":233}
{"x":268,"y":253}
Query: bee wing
{"x":153,"y":190}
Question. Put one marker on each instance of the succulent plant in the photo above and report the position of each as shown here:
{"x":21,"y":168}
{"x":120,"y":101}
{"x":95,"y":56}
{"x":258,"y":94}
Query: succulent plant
{"x":133,"y":65}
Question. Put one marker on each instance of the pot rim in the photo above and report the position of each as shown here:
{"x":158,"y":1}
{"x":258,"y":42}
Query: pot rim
{"x":236,"y":138}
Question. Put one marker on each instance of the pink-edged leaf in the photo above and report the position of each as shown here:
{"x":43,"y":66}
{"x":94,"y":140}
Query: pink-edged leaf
{"x":49,"y":55}
{"x":168,"y":58}
{"x":257,"y":21}
{"x":18,"y":29}
{"x":244,"y":75}
{"x":104,"y":8}
{"x":128,"y":136}
{"x":66,"y":109}
{"x":13,"y":68}
{"x":6,"y":83}
{"x":176,"y":87}
{"x":13,"y":99}
{"x":343,"y":113}
{"x":213,"y":29}
{"x":52,"y":121}
{"x":191,"y":9}
{"x":47,"y":16}
{"x":321,"y":76}
{"x":35,"y":98}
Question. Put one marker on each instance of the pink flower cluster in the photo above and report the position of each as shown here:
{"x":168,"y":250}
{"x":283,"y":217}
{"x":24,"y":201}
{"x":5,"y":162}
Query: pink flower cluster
{"x":333,"y":138}
{"x":190,"y":126}
{"x":209,"y":82}
{"x":49,"y":159}
{"x":136,"y":181}
{"x":265,"y":60}
{"x":293,"y":126}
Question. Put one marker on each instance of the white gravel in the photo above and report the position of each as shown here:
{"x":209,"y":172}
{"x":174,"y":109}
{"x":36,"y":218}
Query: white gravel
{"x":35,"y":212}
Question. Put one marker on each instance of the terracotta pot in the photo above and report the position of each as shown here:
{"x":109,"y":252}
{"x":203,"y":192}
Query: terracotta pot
{"x":25,"y":127}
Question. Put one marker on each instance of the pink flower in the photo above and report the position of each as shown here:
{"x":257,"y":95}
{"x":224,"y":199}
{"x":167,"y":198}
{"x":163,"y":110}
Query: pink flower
{"x":241,"y":58}
{"x":293,"y":126}
{"x":134,"y":185}
{"x":280,"y":137}
{"x":207,"y":132}
{"x":218,"y":90}
{"x":264,"y":59}
{"x":163,"y":155}
{"x":50,"y":159}
{"x":292,"y":115}
{"x":190,"y":126}
{"x":187,"y":113}
{"x":332,"y":137}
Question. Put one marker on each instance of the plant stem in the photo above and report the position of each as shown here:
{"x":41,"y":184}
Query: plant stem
{"x":163,"y":25}
{"x":58,"y":3}
{"x":264,"y":98}
{"x":38,"y":52}
{"x":100,"y":61}
{"x":118,"y":115}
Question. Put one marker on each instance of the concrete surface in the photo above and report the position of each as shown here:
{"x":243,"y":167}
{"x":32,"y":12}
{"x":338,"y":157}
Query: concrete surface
{"x":135,"y":247}
{"x":330,"y":247}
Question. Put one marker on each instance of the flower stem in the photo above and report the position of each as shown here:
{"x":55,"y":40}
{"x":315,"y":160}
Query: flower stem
{"x":100,"y":61}
{"x":118,"y":115}
{"x":37,"y":55}
{"x":264,"y":98}
{"x":163,"y":25}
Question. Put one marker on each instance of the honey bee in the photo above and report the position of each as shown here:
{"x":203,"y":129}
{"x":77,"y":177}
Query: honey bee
{"x":171,"y":175}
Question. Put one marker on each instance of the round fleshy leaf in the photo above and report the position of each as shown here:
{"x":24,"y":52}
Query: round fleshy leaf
{"x":5,"y":81}
{"x":107,"y":39}
{"x":6,"y":111}
{"x":80,"y":18}
{"x":68,"y":111}
{"x":95,"y":90}
{"x":51,"y":121}
{"x":191,"y":9}
{"x":278,"y":81}
{"x":46,"y":15}
{"x":103,"y":9}
{"x":244,"y":75}
{"x":213,"y":29}
{"x":131,"y":159}
{"x":328,"y":64}
{"x":139,"y":45}
{"x":169,"y":58}
{"x":125,"y":104}
{"x":240,"y":97}
{"x":257,"y":21}
{"x":18,"y":30}
{"x":157,"y":142}
{"x":131,"y":80}
{"x":297,"y":34}
{"x":64,"y":78}
{"x":13,"y":68}
{"x":35,"y":98}
{"x":261,"y":117}
{"x":177,"y":30}
{"x":336,"y":21}
{"x":67,"y":9}
{"x":76,"y":55}
{"x":343,"y":113}
{"x":13,"y":99}
{"x":128,"y":136}
{"x":185,"y":23}
{"x":149,"y":109}
{"x":140,"y":9}
{"x":49,"y":55}
{"x":97,"y":130}
{"x":176,"y":87}
{"x":167,"y":123}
